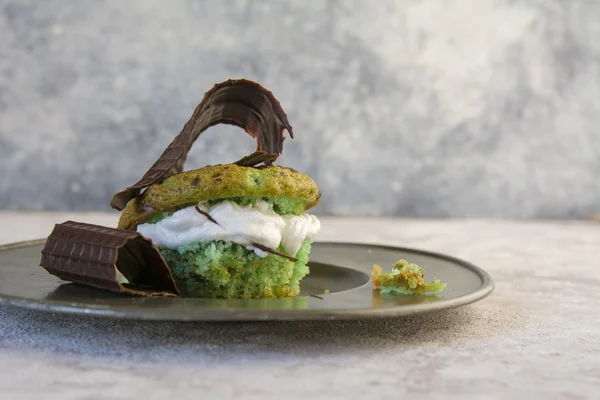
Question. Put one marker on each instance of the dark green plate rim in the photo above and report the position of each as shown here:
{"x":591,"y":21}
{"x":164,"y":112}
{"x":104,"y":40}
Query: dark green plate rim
{"x":236,"y":314}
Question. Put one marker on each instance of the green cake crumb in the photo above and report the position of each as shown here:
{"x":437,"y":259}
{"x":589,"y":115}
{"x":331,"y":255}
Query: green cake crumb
{"x":228,"y":270}
{"x":405,"y":278}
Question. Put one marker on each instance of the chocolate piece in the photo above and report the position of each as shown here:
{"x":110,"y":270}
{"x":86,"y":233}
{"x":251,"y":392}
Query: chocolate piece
{"x":207,"y":215}
{"x":100,"y":256}
{"x":270,"y":250}
{"x":236,"y":102}
{"x":255,"y":159}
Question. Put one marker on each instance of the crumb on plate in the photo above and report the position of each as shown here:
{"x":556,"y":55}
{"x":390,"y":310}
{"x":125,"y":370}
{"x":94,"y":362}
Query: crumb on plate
{"x":405,"y":278}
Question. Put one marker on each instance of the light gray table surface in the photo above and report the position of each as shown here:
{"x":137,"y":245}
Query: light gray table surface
{"x":536,"y":336}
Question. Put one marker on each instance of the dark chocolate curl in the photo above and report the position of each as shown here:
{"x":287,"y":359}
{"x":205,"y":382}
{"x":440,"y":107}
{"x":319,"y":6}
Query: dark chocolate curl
{"x":238,"y":102}
{"x":95,"y":255}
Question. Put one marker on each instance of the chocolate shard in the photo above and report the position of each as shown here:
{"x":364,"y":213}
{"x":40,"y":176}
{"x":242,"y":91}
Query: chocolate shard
{"x":256,"y":158}
{"x":238,"y":102}
{"x":106,"y":258}
{"x":273,"y":251}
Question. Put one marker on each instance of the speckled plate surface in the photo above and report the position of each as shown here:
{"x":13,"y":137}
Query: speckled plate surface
{"x":342,"y":268}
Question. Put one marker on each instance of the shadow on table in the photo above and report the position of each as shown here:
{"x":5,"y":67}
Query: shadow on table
{"x":44,"y":332}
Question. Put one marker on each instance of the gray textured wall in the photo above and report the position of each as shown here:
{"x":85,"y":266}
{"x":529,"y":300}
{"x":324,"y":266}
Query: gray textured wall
{"x":423,"y":108}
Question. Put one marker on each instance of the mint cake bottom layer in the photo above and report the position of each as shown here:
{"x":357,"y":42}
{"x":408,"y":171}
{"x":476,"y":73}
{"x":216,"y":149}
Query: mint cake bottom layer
{"x":228,"y":270}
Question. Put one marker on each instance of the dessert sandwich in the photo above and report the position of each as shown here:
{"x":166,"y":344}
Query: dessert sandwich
{"x":237,"y":230}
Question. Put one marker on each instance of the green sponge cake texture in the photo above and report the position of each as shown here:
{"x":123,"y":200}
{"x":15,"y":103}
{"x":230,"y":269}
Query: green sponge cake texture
{"x":228,"y":270}
{"x":219,"y":182}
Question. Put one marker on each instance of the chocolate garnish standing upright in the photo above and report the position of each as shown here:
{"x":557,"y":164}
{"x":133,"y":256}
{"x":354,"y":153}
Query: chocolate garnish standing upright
{"x":101,"y":257}
{"x":238,"y":102}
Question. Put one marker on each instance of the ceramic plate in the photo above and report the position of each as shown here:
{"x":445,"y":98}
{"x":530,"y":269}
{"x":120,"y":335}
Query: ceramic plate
{"x":342,"y":268}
